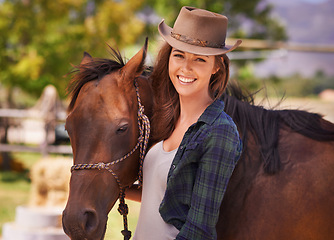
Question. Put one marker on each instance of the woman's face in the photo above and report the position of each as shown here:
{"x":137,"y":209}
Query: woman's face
{"x":191,"y":73}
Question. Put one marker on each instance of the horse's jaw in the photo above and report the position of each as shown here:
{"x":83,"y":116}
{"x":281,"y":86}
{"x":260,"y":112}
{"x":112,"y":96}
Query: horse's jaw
{"x":83,"y":217}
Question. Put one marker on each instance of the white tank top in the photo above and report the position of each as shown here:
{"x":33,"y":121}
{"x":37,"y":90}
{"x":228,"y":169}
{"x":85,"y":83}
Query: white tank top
{"x":150,"y":225}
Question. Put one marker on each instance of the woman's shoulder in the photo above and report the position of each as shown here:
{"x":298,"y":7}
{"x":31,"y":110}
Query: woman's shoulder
{"x":221,"y":117}
{"x":222,"y":127}
{"x":216,"y":123}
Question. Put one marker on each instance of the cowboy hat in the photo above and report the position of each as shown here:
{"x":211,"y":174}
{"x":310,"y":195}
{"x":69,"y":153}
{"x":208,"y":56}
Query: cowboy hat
{"x":198,"y":31}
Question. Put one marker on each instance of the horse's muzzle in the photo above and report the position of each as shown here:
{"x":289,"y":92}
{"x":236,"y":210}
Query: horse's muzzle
{"x":85,"y":224}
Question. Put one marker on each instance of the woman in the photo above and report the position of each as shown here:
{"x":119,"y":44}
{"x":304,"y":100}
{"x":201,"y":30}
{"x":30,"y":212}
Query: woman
{"x":197,"y":144}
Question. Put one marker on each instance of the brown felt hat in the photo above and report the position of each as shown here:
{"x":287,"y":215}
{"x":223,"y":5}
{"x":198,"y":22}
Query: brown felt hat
{"x":198,"y":31}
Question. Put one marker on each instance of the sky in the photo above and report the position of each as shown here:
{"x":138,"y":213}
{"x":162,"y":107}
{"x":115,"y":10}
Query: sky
{"x":306,"y":22}
{"x":312,"y":1}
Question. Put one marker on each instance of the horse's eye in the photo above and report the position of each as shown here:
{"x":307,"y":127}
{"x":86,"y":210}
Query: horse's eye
{"x":122,"y":129}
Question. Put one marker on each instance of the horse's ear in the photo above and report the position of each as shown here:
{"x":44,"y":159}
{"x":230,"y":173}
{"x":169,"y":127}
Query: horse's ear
{"x":135,"y":66}
{"x":87,"y":58}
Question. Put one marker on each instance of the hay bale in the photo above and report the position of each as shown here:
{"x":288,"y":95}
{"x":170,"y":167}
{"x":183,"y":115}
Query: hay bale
{"x":50,"y":182}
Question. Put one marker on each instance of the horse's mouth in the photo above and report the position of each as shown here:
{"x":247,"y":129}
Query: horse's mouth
{"x":77,"y":233}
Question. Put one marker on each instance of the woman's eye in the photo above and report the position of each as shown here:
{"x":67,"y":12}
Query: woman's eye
{"x":200,"y":60}
{"x":178,"y":55}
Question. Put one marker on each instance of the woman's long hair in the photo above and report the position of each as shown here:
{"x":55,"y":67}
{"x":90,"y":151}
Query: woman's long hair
{"x":166,"y":99}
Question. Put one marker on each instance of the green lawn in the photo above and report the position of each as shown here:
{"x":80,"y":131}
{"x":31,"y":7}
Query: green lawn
{"x":115,"y":221}
{"x":14,"y":191}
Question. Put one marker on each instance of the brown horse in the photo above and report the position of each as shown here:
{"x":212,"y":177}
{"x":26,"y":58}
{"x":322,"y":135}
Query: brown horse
{"x":282,"y":187}
{"x":103,"y":127}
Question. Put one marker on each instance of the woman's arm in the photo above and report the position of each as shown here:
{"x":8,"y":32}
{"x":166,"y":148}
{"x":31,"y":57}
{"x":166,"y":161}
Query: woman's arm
{"x":133,"y":193}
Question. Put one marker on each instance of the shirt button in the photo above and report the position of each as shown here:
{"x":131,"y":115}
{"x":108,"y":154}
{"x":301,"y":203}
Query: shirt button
{"x":173,"y":166}
{"x":181,"y":147}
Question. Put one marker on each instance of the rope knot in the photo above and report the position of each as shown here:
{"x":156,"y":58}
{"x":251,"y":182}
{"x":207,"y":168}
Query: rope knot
{"x":123,"y":209}
{"x":141,"y":110}
{"x":101,"y":165}
{"x":126,"y":233}
{"x":141,"y":139}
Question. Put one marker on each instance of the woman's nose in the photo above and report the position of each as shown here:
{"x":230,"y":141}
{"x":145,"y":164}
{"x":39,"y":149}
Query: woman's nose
{"x":187,"y":65}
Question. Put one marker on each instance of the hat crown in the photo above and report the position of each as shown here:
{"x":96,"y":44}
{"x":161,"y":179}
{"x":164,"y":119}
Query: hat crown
{"x":198,"y":31}
{"x":202,"y":25}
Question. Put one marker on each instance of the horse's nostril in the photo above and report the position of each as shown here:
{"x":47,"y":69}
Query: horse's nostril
{"x":83,"y":224}
{"x":90,"y":223}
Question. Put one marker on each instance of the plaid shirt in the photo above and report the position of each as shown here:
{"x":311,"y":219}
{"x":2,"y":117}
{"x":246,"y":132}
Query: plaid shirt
{"x":199,"y":174}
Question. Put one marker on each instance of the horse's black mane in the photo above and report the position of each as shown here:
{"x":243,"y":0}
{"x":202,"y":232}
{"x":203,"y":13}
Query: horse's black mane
{"x":264,"y":124}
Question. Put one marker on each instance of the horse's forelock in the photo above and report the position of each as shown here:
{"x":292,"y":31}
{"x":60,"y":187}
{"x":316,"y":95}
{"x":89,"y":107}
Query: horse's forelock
{"x":91,"y":71}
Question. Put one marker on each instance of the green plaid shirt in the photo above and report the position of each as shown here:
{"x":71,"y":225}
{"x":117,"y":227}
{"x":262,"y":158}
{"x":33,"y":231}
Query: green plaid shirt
{"x":199,"y":174}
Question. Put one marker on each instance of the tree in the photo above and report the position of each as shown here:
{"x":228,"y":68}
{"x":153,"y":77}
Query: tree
{"x":39,"y":39}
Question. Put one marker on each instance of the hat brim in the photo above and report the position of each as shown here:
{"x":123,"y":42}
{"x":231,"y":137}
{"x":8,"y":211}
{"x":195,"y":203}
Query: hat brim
{"x":165,"y":32}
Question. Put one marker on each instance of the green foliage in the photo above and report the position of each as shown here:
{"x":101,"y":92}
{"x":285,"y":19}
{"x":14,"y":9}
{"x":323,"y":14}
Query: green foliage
{"x":295,"y":85}
{"x":322,"y":82}
{"x":40,"y":39}
{"x":300,"y":86}
{"x":14,"y":191}
{"x":245,"y":76}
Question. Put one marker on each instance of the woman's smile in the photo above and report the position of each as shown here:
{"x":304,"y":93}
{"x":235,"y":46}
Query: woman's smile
{"x":190,"y":73}
{"x":186,"y":79}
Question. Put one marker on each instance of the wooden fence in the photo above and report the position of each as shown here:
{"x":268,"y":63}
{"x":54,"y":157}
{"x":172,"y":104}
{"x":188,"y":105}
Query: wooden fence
{"x":49,"y":112}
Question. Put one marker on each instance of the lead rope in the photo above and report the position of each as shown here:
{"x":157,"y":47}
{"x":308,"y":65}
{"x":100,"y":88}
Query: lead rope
{"x":144,"y":133}
{"x":124,"y":210}
{"x":144,"y":130}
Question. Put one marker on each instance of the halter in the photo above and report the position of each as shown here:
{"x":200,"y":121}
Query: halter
{"x":144,"y":133}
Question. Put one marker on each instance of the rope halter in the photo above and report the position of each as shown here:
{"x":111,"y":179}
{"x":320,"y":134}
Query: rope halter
{"x":144,"y":133}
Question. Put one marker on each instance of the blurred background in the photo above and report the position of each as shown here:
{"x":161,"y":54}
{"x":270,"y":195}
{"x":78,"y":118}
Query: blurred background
{"x":287,"y":50}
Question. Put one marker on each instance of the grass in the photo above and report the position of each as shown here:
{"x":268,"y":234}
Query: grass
{"x":15,"y":187}
{"x":115,"y":221}
{"x":15,"y":190}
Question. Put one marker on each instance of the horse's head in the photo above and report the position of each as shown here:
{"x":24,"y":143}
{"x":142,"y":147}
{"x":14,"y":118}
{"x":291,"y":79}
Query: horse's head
{"x":103,"y":127}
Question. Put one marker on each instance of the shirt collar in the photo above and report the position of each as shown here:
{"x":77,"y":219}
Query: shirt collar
{"x":212,"y":112}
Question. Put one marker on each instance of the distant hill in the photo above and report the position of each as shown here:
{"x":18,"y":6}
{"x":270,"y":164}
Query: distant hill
{"x":308,"y":22}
